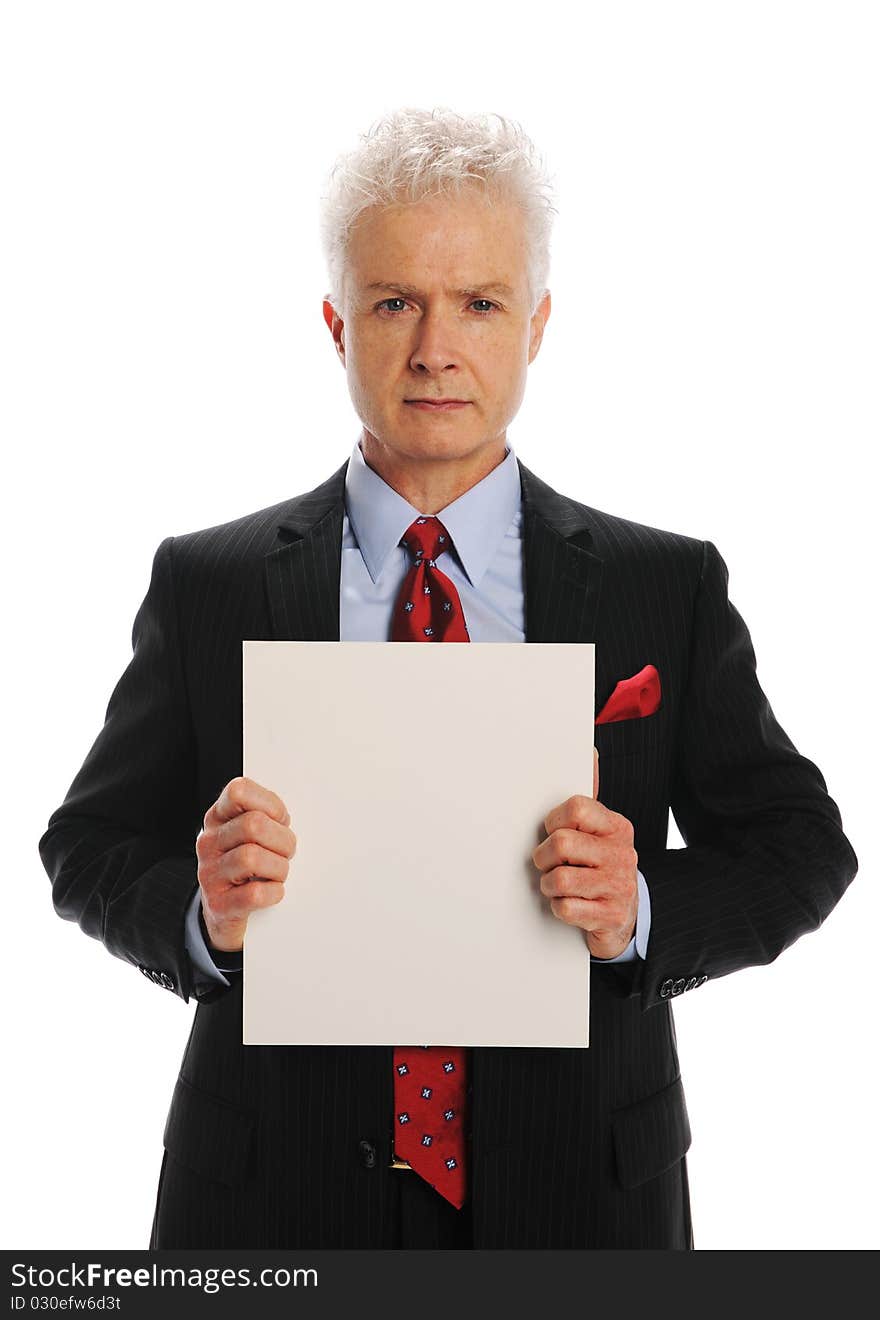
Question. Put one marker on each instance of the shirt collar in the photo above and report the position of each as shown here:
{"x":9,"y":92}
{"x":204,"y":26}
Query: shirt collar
{"x":477,"y":521}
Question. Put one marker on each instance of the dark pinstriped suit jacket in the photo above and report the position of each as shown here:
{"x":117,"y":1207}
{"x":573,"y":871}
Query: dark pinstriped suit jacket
{"x":287,"y":1146}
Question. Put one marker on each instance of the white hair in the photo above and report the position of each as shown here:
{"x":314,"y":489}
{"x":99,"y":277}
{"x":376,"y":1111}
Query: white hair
{"x":413,"y":154}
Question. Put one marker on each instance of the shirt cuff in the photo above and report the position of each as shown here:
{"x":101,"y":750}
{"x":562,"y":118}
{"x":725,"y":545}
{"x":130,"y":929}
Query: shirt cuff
{"x":196,"y":947}
{"x":638,"y":945}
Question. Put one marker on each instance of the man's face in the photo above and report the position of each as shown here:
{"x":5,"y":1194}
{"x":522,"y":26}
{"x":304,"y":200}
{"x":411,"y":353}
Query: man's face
{"x":436,"y":307}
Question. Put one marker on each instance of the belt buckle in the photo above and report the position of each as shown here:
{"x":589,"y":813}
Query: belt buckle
{"x":396,"y":1161}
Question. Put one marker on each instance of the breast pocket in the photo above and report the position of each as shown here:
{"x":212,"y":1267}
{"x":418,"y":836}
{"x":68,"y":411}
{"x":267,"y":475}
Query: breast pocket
{"x":635,"y":768}
{"x":645,"y":733}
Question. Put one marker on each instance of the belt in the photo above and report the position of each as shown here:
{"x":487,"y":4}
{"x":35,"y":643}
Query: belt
{"x":396,"y":1161}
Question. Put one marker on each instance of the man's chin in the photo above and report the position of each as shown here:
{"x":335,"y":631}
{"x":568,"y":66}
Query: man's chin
{"x":431,"y":443}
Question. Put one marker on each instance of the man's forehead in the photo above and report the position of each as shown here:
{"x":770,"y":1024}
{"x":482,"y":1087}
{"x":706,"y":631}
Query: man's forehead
{"x":500,"y":287}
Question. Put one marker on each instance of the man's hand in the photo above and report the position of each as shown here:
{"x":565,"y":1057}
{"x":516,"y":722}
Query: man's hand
{"x":589,"y":867}
{"x":244,"y":852}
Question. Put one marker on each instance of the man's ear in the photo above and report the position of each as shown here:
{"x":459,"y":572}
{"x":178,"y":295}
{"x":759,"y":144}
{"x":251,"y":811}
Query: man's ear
{"x":539,"y":320}
{"x":335,"y":324}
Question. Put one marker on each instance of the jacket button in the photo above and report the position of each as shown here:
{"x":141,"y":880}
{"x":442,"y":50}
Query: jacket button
{"x":666,"y":990}
{"x":368,"y":1154}
{"x":691,"y":983}
{"x":703,"y":979}
{"x":679,"y":986}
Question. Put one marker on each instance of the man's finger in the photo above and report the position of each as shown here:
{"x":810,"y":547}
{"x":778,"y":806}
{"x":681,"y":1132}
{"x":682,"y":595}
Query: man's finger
{"x":589,"y":914}
{"x":574,"y":882}
{"x":251,"y":862}
{"x":568,"y":847}
{"x":238,"y":903}
{"x":256,"y":827}
{"x":580,"y":813}
{"x":242,"y":794}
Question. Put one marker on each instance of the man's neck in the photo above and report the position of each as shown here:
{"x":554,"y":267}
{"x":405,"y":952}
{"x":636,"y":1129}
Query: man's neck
{"x":430,"y":485}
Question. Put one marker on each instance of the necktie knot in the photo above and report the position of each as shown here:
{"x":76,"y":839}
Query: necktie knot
{"x":426,"y":539}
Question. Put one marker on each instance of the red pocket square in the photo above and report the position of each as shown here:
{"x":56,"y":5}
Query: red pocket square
{"x":639,"y":695}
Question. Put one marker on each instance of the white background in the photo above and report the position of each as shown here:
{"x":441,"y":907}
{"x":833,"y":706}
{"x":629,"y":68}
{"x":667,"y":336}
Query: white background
{"x":710,"y":366}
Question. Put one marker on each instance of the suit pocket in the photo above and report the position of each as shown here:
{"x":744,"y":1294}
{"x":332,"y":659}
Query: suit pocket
{"x":651,"y":1135}
{"x":208,"y":1135}
{"x":640,"y":733}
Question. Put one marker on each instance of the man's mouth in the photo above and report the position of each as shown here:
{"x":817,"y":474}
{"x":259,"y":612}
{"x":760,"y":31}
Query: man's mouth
{"x":437,"y":405}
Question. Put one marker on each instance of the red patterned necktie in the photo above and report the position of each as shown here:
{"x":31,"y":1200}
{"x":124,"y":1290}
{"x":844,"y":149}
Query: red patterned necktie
{"x":428,"y":608}
{"x":430,"y":1081}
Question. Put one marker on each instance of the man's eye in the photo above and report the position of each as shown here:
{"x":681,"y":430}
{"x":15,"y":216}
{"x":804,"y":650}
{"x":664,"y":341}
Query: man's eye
{"x":489,"y":306}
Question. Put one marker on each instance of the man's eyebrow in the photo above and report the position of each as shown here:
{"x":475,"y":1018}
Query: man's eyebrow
{"x":409,"y":291}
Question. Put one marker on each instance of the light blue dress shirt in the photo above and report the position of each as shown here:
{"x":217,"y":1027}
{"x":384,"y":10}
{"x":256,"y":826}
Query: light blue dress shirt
{"x":486,"y":565}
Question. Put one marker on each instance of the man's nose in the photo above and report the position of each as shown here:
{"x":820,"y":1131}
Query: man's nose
{"x":436,"y":343}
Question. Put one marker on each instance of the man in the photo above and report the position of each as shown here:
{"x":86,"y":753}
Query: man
{"x":162,"y":849}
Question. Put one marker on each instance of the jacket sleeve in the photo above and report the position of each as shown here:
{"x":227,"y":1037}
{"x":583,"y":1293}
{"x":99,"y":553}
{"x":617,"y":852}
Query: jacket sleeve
{"x":120,"y":850}
{"x":766,"y":857}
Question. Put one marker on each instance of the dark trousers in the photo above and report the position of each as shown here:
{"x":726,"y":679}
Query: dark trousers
{"x":424,"y":1219}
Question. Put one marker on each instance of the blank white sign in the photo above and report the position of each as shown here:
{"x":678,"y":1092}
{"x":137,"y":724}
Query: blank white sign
{"x":417,"y":778}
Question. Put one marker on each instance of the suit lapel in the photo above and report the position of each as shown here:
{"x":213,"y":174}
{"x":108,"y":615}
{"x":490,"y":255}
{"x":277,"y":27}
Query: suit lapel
{"x":563,"y":576}
{"x":301,"y":573}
